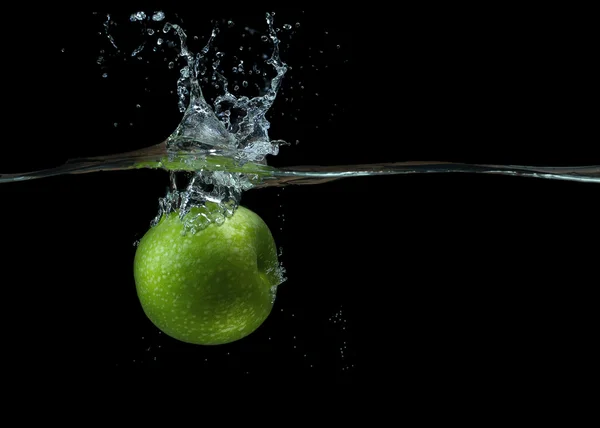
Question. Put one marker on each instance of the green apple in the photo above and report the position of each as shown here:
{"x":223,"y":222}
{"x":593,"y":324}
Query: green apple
{"x":210,"y":287}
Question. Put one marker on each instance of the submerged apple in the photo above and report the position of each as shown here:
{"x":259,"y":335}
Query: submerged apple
{"x":212,"y":287}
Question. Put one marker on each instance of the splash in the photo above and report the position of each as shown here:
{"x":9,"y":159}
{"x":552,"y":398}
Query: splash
{"x":237,"y":125}
{"x":234,"y":126}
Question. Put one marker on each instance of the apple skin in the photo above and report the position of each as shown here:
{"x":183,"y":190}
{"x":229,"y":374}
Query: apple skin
{"x":212,"y":287}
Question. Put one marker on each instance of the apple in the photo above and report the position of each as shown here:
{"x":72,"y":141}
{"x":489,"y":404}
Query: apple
{"x":210,"y":287}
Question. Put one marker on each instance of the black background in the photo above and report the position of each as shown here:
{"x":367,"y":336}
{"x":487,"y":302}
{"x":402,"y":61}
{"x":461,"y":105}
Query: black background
{"x":433,"y":276}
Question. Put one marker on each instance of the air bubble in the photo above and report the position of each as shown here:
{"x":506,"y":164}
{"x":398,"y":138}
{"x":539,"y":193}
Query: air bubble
{"x":138,"y":16}
{"x":158,"y":16}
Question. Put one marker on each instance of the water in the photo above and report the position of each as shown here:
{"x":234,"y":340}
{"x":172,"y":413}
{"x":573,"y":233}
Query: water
{"x":261,"y":176}
{"x":220,"y":150}
{"x":223,"y":146}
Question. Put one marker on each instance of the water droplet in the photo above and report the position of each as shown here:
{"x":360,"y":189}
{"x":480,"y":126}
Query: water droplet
{"x":236,"y":88}
{"x":241,"y":48}
{"x":230,"y":23}
{"x":100,"y":60}
{"x":287,"y":27}
{"x":159,"y":41}
{"x":195,"y":37}
{"x":338,"y":46}
{"x":150,"y":31}
{"x":245,"y":84}
{"x":115,"y":124}
{"x":166,"y":28}
{"x":297,"y":25}
{"x":138,"y":106}
{"x":158,"y":16}
{"x":171,"y":64}
{"x":264,"y":38}
{"x":105,"y":75}
{"x":62,"y":50}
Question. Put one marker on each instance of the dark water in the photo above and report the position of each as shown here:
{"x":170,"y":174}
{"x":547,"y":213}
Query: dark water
{"x":439,"y":276}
